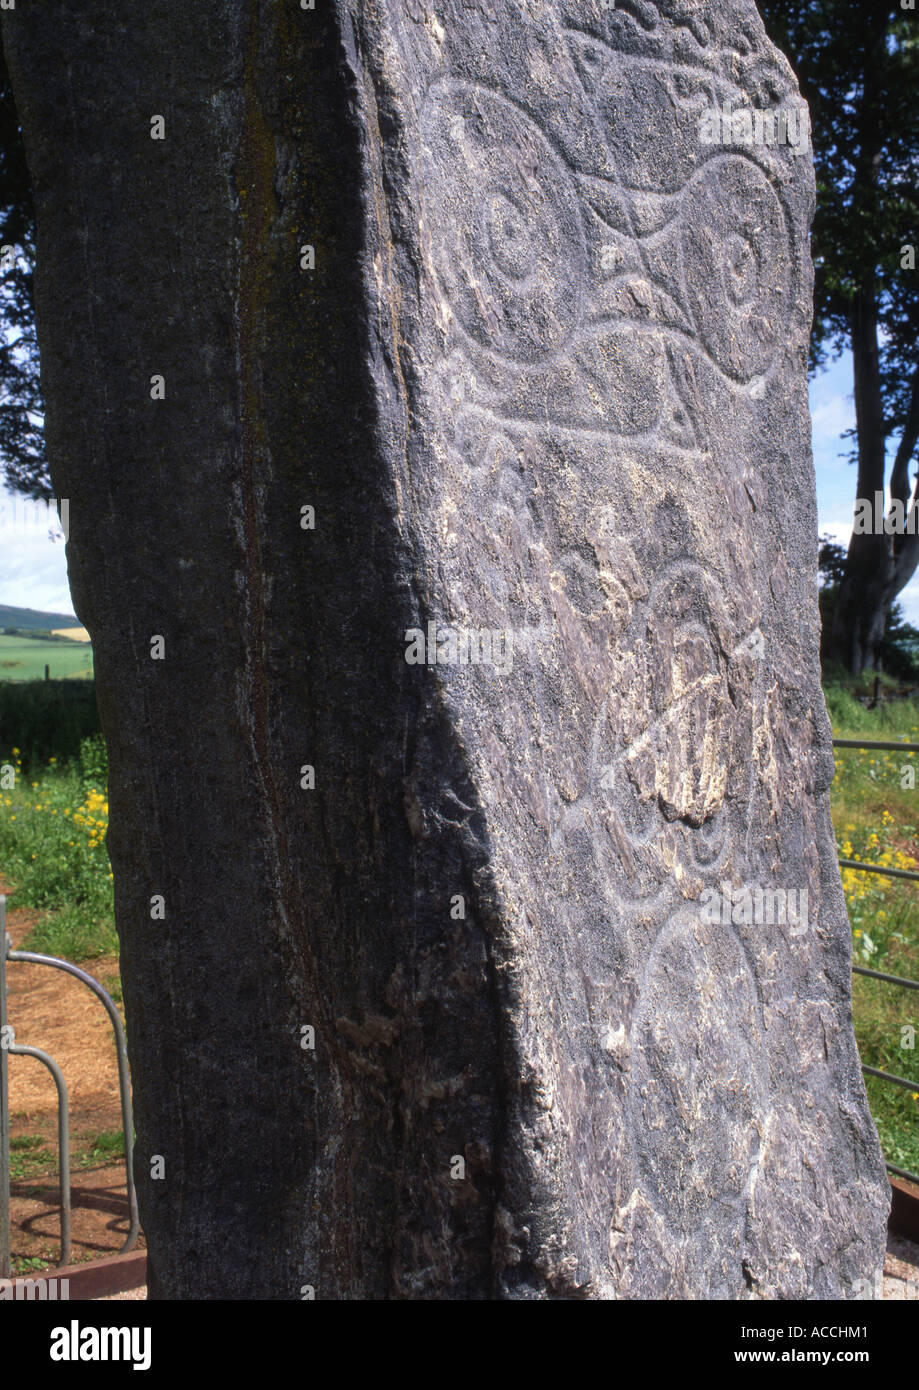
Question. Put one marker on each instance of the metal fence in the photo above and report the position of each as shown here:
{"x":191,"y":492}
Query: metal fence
{"x":883,"y":746}
{"x":9,"y":1047}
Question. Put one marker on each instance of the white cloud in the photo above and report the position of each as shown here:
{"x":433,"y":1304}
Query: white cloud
{"x":830,"y":418}
{"x":839,"y":531}
{"x":33,"y":568}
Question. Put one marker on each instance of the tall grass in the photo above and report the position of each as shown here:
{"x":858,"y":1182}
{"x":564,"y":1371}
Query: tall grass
{"x":875,"y":806}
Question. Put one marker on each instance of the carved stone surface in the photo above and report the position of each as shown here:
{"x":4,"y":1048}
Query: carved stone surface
{"x":607,"y":328}
{"x":547,"y":380}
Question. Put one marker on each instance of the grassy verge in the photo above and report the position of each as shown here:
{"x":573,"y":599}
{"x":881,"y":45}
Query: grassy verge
{"x":52,"y":852}
{"x":875,"y":805}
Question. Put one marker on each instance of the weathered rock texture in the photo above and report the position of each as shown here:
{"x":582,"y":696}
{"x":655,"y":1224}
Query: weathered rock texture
{"x":547,"y":377}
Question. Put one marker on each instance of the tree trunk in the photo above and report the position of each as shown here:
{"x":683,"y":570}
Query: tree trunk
{"x":863,"y":603}
{"x":861,"y":606}
{"x":422,"y":997}
{"x":868,"y":588}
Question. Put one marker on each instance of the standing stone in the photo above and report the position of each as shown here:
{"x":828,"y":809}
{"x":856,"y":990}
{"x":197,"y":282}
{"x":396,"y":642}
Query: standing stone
{"x":502,"y":951}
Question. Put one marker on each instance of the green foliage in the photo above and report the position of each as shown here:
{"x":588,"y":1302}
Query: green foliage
{"x":876,"y":816}
{"x":831,"y":563}
{"x":52,"y":849}
{"x":22,"y":446}
{"x":93,"y":761}
{"x":847,"y":712}
{"x":899,"y":650}
{"x":28,"y":1264}
{"x":857,"y":62}
{"x":105,"y":1147}
{"x":881,"y":1010}
{"x":29,"y":1157}
{"x":46,"y":719}
{"x":76,"y":935}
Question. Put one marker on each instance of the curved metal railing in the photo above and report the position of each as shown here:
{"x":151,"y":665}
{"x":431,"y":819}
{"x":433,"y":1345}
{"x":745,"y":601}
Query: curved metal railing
{"x":9,"y":1046}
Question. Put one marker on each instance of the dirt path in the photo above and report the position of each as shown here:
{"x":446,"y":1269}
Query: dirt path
{"x":53,"y":1011}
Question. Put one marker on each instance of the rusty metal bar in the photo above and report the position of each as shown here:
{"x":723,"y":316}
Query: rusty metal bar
{"x":869,"y":743}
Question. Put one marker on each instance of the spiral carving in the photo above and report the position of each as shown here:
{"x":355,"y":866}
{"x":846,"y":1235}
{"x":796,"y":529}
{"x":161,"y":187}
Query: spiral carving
{"x":736,"y":265}
{"x":506,"y":235}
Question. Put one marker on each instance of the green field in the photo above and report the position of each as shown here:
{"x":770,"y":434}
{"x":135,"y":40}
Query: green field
{"x":25,"y":659}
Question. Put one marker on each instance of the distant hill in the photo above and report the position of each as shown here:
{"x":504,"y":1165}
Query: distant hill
{"x":31,"y":617}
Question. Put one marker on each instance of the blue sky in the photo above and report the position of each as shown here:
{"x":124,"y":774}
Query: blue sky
{"x":33,"y":569}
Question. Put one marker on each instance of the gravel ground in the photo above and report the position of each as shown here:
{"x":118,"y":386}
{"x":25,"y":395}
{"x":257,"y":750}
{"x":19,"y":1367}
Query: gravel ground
{"x":901,"y":1274}
{"x":901,"y":1269}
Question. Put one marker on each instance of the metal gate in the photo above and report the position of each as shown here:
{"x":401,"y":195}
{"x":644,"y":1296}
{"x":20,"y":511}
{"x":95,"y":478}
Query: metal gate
{"x":10,"y":1047}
